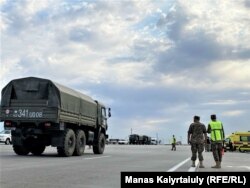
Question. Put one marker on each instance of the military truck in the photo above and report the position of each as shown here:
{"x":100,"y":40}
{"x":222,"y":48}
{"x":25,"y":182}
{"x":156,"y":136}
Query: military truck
{"x":139,"y":139}
{"x":146,"y":140}
{"x":134,"y":139}
{"x":41,"y":113}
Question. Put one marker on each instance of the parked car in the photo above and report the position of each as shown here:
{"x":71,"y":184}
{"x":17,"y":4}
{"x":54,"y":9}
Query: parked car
{"x":123,"y":141}
{"x":154,"y":141}
{"x":113,"y":141}
{"x":5,"y":137}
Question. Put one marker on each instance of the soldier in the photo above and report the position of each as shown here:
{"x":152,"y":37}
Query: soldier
{"x":197,"y":137}
{"x":215,"y":128}
{"x":173,"y":144}
{"x":230,"y":143}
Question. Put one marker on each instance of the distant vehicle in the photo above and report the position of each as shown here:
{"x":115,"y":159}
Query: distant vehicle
{"x":123,"y":141}
{"x":134,"y":139}
{"x":139,"y":139}
{"x":43,"y":113}
{"x":154,"y":141}
{"x":5,"y":137}
{"x":178,"y":143}
{"x":146,"y":140}
{"x":113,"y":141}
{"x":238,"y":141}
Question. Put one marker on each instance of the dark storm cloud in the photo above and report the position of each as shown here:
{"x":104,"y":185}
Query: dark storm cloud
{"x":247,"y":3}
{"x":192,"y":48}
{"x":241,"y":54}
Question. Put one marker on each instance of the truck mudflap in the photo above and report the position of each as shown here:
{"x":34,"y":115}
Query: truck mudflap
{"x":90,"y":138}
{"x":17,"y":137}
{"x":57,"y":140}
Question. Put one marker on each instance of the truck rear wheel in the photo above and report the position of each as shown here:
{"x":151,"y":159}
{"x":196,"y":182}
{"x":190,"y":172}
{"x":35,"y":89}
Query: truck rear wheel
{"x":38,"y":150}
{"x":99,"y":147}
{"x":69,"y":142}
{"x":20,"y":150}
{"x":80,"y":143}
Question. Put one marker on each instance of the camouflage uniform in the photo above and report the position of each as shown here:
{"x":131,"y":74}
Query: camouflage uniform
{"x":196,"y":130}
{"x":216,"y":149}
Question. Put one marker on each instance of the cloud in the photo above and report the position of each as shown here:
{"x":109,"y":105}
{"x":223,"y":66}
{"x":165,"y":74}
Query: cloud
{"x":233,"y":113}
{"x":247,"y":3}
{"x":221,"y":102}
{"x":201,"y":37}
{"x":156,"y":63}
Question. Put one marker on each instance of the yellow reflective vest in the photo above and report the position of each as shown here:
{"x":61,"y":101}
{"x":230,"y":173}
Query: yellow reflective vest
{"x":173,"y":141}
{"x":216,"y":131}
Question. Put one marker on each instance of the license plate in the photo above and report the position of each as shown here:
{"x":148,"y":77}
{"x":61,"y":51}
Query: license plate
{"x":26,"y":113}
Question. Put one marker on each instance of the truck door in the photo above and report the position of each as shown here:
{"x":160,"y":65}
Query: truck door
{"x":104,"y":117}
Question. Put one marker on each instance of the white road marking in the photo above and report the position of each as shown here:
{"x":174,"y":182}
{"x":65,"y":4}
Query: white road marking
{"x":247,"y":167}
{"x":193,"y":169}
{"x":178,"y":165}
{"x":97,"y":157}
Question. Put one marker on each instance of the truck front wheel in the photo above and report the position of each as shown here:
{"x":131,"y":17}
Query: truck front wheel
{"x":98,"y":148}
{"x":69,"y":143}
{"x":80,"y":143}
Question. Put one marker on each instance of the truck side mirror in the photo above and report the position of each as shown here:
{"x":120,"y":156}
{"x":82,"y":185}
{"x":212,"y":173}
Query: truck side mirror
{"x":109,"y":112}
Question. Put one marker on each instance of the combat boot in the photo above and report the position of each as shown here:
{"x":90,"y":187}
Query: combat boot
{"x":201,"y":165}
{"x":193,"y":164}
{"x":217,"y":165}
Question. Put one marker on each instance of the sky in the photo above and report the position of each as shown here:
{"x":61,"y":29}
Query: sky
{"x":155,"y":63}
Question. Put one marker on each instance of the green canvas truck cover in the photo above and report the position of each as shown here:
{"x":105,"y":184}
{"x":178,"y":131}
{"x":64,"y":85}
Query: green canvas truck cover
{"x":50,"y":93}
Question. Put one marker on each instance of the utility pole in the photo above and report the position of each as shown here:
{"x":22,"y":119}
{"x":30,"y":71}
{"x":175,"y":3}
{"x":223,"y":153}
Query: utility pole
{"x":157,"y":138}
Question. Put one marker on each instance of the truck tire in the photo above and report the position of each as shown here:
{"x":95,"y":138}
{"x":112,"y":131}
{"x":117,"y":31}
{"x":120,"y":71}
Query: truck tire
{"x":38,"y":150}
{"x":241,"y":150}
{"x":80,"y":143}
{"x":20,"y":150}
{"x":69,"y":143}
{"x":99,"y":147}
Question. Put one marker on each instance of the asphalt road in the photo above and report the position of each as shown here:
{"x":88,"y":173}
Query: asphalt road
{"x":103,"y":171}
